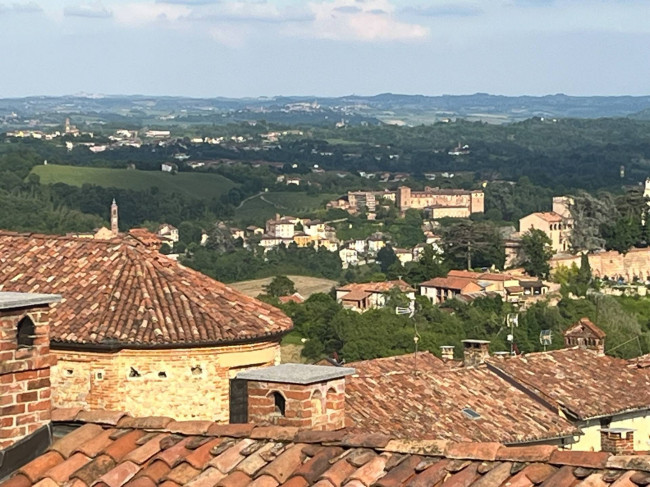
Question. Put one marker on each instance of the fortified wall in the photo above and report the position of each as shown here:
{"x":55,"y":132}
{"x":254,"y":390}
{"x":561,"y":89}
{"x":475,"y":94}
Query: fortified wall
{"x":612,"y":264}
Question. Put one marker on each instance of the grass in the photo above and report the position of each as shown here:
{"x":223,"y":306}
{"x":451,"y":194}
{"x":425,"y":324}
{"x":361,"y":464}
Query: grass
{"x":305,"y":285}
{"x":203,"y":186}
{"x":265,"y":206}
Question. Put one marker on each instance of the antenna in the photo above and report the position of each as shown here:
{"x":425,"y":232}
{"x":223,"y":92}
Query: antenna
{"x":410,"y":311}
{"x":545,"y":338}
{"x":512,"y":320}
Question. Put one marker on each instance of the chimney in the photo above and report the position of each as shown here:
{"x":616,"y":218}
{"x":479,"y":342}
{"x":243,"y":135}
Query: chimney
{"x":25,"y":362}
{"x":300,"y":395}
{"x":475,"y":352}
{"x":447,"y":352}
{"x":114,"y":219}
{"x":617,"y":441}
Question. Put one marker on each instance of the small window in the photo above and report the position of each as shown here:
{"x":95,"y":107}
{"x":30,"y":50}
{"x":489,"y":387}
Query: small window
{"x":25,"y":333}
{"x":280,"y":403}
{"x":470,"y":413}
{"x":99,"y":375}
{"x":162,"y":375}
{"x":197,"y":370}
{"x":134,"y":373}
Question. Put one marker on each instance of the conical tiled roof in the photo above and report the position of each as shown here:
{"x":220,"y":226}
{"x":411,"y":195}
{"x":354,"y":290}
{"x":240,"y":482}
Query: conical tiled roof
{"x":121,"y":293}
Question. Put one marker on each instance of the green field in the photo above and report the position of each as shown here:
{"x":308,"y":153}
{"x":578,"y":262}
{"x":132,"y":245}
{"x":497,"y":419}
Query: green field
{"x":265,"y":206}
{"x":204,"y":186}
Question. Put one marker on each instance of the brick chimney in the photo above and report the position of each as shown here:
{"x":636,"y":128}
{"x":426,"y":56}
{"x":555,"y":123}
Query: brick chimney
{"x":618,"y":441}
{"x":475,"y":352}
{"x":25,"y":362}
{"x":304,"y":396}
{"x":447,"y":352}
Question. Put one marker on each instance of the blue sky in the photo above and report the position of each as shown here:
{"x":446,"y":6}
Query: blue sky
{"x":324,"y":47}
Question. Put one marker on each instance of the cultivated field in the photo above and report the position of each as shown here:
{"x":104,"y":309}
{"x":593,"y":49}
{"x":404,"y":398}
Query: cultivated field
{"x":306,"y":286}
{"x":204,"y":186}
{"x":265,"y":206}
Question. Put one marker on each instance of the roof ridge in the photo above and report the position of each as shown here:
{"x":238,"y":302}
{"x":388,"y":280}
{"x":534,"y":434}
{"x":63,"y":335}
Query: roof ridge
{"x":10,"y":233}
{"x":479,"y":451}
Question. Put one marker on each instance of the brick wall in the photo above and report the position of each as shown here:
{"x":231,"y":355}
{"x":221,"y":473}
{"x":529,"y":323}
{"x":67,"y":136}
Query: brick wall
{"x":181,"y":383}
{"x":319,"y":406}
{"x":25,"y":393}
{"x":617,"y":443}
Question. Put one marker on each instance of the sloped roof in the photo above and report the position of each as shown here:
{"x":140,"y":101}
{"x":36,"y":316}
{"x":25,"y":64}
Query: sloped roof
{"x":121,"y":293}
{"x":117,"y":450}
{"x":548,"y":216}
{"x":583,"y":325}
{"x":378,"y":287}
{"x":455,"y":283}
{"x":429,"y":404}
{"x":586,"y":384}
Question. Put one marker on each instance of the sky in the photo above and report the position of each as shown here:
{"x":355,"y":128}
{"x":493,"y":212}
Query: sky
{"x":250,"y":48}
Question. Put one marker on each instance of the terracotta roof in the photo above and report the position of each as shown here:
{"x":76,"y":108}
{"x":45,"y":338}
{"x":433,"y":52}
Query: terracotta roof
{"x":514,"y":289}
{"x":356,"y":295}
{"x":492,"y":276}
{"x":430,"y":405}
{"x":146,"y":237}
{"x":578,"y":329}
{"x":148,"y":452}
{"x":455,"y":283}
{"x":378,"y":287}
{"x":121,"y":293}
{"x":463,"y":273}
{"x":585,"y":384}
{"x":549,"y":216}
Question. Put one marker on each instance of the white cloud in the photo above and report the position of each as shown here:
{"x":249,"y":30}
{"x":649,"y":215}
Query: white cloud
{"x":20,"y":8}
{"x":367,"y":20}
{"x":147,"y":12}
{"x":94,"y":10}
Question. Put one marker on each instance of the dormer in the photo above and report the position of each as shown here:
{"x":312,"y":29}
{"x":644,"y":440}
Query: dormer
{"x":585,"y":334}
{"x":300,"y":395}
{"x":25,"y":362}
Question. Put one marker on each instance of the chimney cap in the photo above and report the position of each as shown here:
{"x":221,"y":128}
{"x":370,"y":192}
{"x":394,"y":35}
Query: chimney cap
{"x":447,"y":347}
{"x":475,"y":342}
{"x":12,"y":300}
{"x":618,"y":430}
{"x":296,"y":373}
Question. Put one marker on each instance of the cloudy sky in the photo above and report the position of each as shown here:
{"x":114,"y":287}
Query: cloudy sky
{"x":324,"y":47}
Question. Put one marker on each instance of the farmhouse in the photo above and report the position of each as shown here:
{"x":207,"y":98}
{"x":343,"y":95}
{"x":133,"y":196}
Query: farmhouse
{"x":133,"y":322}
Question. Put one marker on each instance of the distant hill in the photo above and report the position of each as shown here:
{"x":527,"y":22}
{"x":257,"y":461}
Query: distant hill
{"x":315,"y":110}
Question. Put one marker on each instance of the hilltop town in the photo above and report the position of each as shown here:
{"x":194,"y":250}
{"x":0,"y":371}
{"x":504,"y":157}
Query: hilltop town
{"x":452,"y":293}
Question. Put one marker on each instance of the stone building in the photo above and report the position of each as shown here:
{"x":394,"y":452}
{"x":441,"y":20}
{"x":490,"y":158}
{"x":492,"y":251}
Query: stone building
{"x":134,"y":326}
{"x":458,"y":203}
{"x":554,"y":225}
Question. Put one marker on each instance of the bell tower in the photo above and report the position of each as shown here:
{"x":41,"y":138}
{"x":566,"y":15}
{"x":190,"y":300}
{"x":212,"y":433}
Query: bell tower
{"x":114,"y":219}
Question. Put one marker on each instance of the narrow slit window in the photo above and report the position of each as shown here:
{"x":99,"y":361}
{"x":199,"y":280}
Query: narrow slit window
{"x":280,"y":403}
{"x":25,"y":333}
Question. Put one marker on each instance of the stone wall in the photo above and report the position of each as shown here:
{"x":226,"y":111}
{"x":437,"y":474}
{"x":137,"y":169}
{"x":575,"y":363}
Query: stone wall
{"x":319,"y":406}
{"x":25,"y":393}
{"x":636,"y":263}
{"x":181,"y":383}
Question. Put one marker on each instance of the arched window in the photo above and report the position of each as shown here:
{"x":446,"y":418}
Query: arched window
{"x":280,"y":403}
{"x":25,"y":333}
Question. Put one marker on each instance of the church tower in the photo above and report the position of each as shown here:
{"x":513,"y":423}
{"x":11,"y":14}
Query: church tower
{"x":114,"y":227}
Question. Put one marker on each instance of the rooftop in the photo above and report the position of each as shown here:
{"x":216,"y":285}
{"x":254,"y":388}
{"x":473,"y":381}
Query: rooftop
{"x":429,"y":404}
{"x":580,"y":381}
{"x":549,"y":216}
{"x":10,"y":300}
{"x":296,"y":373}
{"x":377,"y":287}
{"x":111,"y":449}
{"x":120,"y":293}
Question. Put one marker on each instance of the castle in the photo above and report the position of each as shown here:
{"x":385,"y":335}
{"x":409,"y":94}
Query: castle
{"x":455,"y":203}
